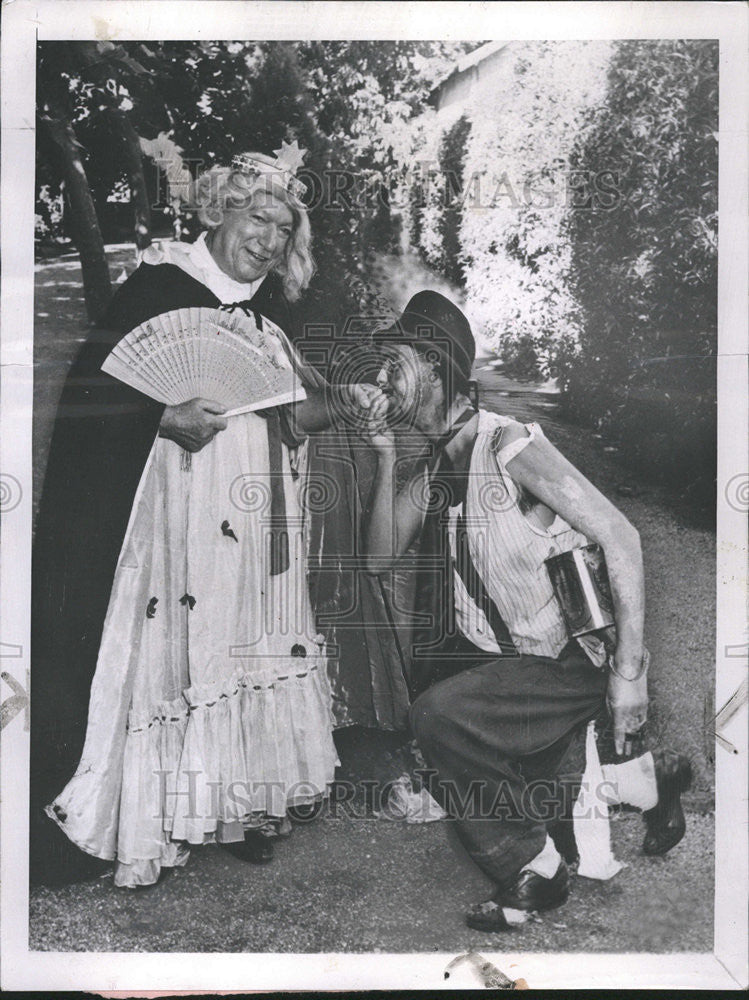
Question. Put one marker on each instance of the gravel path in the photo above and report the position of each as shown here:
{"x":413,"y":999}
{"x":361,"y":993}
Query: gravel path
{"x":362,"y":885}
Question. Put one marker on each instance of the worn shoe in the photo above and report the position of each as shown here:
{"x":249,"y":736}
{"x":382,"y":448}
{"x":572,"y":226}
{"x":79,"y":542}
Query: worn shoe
{"x":487,"y":916}
{"x":665,"y":822}
{"x":530,"y":892}
{"x":534,"y":892}
{"x":256,"y":848}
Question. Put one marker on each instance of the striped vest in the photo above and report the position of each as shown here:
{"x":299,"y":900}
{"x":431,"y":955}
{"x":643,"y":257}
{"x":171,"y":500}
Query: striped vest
{"x":508,"y":549}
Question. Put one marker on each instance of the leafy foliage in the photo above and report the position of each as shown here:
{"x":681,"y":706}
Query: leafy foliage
{"x":585,"y":245}
{"x":91,"y":84}
{"x":501,"y":241}
{"x":451,"y":165}
{"x":645,"y":271}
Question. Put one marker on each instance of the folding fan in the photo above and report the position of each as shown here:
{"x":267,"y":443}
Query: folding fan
{"x":225,"y":356}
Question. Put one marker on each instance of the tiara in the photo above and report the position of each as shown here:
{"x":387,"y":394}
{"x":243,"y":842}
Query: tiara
{"x":283,"y":169}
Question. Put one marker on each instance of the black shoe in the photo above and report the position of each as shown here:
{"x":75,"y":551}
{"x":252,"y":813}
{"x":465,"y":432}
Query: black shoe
{"x":665,"y":822}
{"x":530,"y":892}
{"x":487,"y":916}
{"x":534,"y":892}
{"x":256,"y":848}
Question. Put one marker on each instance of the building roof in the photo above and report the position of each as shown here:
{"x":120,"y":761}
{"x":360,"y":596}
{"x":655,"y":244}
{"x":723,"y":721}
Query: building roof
{"x":468,"y":62}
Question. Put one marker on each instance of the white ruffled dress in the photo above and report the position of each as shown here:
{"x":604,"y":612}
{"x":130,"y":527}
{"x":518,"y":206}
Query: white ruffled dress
{"x":210,"y":707}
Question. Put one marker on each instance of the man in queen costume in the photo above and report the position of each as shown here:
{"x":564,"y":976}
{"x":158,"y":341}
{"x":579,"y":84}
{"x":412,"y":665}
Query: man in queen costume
{"x":169,"y":557}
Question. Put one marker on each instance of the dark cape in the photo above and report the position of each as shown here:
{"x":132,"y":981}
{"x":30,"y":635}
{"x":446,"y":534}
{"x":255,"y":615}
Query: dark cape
{"x":103,"y":433}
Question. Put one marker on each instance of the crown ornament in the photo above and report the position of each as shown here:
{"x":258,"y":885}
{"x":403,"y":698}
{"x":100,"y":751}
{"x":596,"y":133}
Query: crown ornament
{"x":282,"y":169}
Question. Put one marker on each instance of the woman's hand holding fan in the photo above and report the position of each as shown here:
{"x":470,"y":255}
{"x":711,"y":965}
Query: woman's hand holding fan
{"x":192,"y":424}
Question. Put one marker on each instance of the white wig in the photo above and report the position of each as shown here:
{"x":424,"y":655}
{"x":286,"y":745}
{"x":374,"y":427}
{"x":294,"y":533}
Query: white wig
{"x":224,"y":188}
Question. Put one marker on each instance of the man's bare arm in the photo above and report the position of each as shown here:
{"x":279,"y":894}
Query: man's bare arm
{"x":543,"y":470}
{"x":395,"y":516}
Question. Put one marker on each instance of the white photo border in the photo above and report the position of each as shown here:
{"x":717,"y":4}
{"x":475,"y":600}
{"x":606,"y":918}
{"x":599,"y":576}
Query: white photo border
{"x":25,"y":22}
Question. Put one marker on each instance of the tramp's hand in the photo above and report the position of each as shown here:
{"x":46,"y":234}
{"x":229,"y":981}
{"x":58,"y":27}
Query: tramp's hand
{"x":352,"y":401}
{"x":363,"y":394}
{"x":378,"y":433}
{"x":358,"y":399}
{"x":627,"y":701}
{"x":193,"y":424}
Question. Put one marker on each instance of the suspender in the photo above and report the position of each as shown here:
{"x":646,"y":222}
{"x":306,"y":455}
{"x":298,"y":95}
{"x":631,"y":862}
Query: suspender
{"x":464,"y":564}
{"x":466,"y":570}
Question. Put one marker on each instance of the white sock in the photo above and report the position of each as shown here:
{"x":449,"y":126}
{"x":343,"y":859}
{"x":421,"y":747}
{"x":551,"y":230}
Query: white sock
{"x":590,"y":818}
{"x":631,"y":783}
{"x":546,"y":862}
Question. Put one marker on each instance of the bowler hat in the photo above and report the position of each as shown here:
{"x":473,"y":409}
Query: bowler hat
{"x":431,"y":321}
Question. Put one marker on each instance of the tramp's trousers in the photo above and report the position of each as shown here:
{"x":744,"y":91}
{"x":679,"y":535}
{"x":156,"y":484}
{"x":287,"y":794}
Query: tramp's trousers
{"x":504,"y":742}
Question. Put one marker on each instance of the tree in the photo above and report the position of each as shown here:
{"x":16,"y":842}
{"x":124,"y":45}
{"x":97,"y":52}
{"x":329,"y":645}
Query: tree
{"x":84,"y":222}
{"x":84,"y":101}
{"x":54,"y":115}
{"x":644,"y":268}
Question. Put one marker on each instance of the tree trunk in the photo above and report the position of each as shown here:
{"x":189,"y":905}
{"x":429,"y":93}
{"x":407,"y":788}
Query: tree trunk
{"x":97,"y":286}
{"x":136,"y":178}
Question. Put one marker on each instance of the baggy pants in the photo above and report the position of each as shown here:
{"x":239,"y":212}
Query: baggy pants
{"x":504,"y":742}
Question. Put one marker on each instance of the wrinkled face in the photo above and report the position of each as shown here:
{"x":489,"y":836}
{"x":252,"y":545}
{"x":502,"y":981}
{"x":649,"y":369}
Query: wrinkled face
{"x":252,"y":239}
{"x":408,"y":378}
